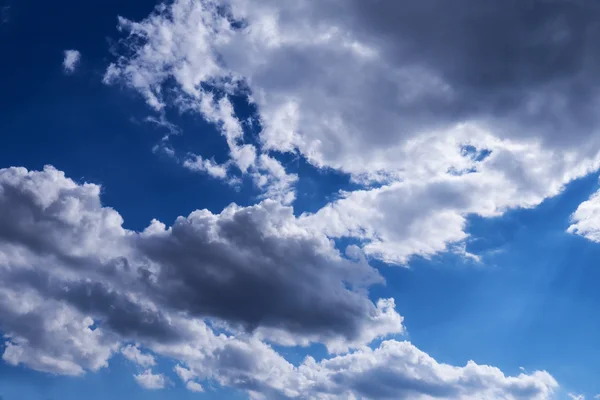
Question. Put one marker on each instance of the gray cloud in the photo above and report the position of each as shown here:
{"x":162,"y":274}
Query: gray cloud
{"x":495,"y":56}
{"x":375,"y":88}
{"x":255,"y":267}
{"x":348,"y":84}
{"x":248,"y":266}
{"x":353,"y":79}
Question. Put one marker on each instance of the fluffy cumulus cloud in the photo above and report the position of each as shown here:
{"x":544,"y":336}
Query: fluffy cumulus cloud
{"x":398,"y":370}
{"x":254,"y":267}
{"x":76,"y":287}
{"x":585,"y":221}
{"x":134,"y":354}
{"x":489,"y":109}
{"x":71,"y":60}
{"x":455,"y":118}
{"x":150,"y":381}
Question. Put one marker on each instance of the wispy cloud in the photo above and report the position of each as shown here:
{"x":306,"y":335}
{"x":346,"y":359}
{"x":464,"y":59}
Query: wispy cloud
{"x":71,"y":60}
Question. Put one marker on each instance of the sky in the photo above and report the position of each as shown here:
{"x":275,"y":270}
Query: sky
{"x":256,"y":199}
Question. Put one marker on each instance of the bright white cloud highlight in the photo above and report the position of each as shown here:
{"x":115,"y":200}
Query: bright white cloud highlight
{"x":585,"y":221}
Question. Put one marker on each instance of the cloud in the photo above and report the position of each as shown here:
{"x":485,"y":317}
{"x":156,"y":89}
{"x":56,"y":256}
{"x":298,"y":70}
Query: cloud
{"x":69,"y":269}
{"x":260,"y":268}
{"x":416,"y":109}
{"x":197,"y":163}
{"x":194,"y":387}
{"x":187,"y":377}
{"x":71,"y":60}
{"x":255,"y":268}
{"x":51,"y":336}
{"x":398,"y":370}
{"x":426,"y":213}
{"x":576,"y":396}
{"x":150,"y":381}
{"x":585,"y":221}
{"x":132,"y":353}
{"x":391,"y":371}
{"x":436,"y":123}
{"x":414,"y":79}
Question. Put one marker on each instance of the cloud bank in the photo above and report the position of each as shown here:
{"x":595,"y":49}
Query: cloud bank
{"x":437,"y":121}
{"x":77,"y":287}
{"x":491,"y":108}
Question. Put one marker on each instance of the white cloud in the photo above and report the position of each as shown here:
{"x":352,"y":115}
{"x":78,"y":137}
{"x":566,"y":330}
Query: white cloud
{"x":71,"y":60}
{"x":187,"y":377}
{"x":425,"y":213}
{"x":573,"y":396}
{"x":585,"y":221}
{"x":197,"y":163}
{"x":194,"y":387}
{"x":399,"y":370}
{"x":145,"y":288}
{"x":183,"y":373}
{"x":340,"y":86}
{"x":364,"y":90}
{"x":150,"y":381}
{"x":134,"y":354}
{"x":368,"y":93}
{"x":391,"y":371}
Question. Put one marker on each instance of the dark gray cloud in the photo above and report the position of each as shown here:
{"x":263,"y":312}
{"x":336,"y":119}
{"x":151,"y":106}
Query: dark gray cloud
{"x":248,"y":266}
{"x":495,"y":55}
{"x":254,"y":267}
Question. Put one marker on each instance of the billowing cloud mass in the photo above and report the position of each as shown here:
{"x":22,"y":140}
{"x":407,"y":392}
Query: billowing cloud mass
{"x":493,"y":107}
{"x":71,"y":60}
{"x":70,"y":270}
{"x":488,"y":110}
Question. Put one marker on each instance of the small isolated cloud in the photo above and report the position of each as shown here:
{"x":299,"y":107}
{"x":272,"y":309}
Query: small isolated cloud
{"x":71,"y":60}
{"x":573,"y":396}
{"x":151,"y":381}
{"x":194,"y":387}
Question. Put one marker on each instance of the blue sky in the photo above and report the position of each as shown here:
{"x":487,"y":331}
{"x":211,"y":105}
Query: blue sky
{"x":350,"y":244}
